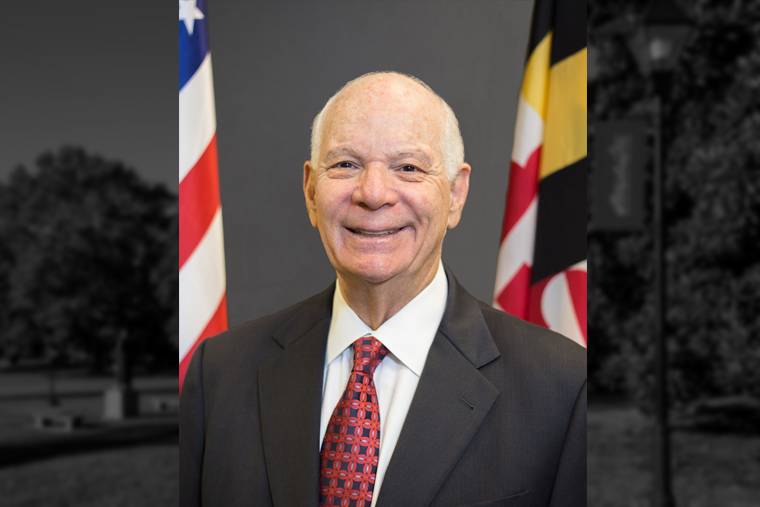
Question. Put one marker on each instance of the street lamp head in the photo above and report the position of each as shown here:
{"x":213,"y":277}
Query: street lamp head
{"x":660,"y":37}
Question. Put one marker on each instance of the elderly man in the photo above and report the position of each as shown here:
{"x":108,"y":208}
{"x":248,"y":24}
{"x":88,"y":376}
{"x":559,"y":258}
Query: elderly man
{"x":394,"y":387}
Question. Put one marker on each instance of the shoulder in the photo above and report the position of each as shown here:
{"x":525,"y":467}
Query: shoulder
{"x":534,"y":356}
{"x":245,"y":347}
{"x":541,"y":354}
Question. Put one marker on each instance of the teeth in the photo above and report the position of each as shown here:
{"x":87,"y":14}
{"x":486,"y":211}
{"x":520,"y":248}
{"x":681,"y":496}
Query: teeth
{"x":375,"y":234}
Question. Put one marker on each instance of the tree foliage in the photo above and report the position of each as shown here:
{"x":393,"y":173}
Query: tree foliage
{"x":711,"y":121}
{"x":83,"y":246}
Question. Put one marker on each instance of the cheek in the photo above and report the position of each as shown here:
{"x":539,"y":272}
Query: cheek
{"x":328,"y":199}
{"x":433,"y":207}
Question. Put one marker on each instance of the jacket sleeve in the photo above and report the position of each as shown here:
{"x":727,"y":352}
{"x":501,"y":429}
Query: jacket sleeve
{"x":569,"y":488}
{"x":191,"y":431}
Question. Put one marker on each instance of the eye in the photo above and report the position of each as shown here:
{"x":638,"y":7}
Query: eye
{"x":409,"y":168}
{"x":344,"y":165}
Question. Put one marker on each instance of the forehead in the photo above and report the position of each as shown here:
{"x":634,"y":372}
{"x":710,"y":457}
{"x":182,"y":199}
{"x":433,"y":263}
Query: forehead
{"x":388,"y":110}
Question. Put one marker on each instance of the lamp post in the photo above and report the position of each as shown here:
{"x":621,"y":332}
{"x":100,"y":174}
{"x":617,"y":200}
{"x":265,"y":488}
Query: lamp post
{"x":656,"y":44}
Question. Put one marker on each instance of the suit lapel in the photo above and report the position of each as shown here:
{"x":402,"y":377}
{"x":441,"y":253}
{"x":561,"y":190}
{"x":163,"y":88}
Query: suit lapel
{"x":451,"y":401}
{"x":290,"y":401}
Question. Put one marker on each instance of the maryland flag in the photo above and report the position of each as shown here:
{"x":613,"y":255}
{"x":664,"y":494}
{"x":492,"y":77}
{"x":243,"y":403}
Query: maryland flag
{"x":541,"y":272}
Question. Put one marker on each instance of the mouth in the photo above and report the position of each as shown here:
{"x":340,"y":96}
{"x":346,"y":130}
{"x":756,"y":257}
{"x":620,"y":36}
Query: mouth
{"x":374,"y":234}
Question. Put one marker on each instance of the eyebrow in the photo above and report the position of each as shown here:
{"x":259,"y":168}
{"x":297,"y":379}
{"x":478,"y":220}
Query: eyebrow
{"x":341,"y":151}
{"x":336,"y":152}
{"x":417,"y":154}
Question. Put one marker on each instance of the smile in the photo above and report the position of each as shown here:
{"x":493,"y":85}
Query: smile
{"x":371,"y":234}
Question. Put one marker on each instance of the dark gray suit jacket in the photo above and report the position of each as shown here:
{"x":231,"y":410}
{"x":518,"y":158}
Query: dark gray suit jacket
{"x":498,"y":418}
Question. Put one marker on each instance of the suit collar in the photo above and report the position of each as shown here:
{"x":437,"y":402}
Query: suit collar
{"x":450,"y":404}
{"x":290,"y":401}
{"x":463,"y":324}
{"x":305,"y":315}
{"x":408,"y":334}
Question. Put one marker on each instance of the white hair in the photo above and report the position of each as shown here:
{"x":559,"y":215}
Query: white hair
{"x":452,"y":146}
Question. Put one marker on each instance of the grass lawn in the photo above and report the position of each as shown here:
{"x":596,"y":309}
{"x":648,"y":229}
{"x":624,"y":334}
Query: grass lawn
{"x":105,"y":463}
{"x":709,"y":469}
{"x":137,"y":476}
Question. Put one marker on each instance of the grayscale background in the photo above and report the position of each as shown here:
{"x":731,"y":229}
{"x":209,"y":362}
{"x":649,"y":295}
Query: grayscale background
{"x":88,"y":180}
{"x":276,"y":64}
{"x":710,"y":158}
{"x":89,"y":73}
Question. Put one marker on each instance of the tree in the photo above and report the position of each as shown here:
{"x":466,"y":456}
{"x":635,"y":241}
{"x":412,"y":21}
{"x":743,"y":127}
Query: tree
{"x":167,"y":279}
{"x":712,"y":190}
{"x":84,"y":236}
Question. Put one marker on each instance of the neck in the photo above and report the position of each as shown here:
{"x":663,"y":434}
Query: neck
{"x":376,"y":302}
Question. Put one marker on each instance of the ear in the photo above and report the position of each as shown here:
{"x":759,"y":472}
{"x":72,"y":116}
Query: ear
{"x":459,"y":188}
{"x":309,"y":191}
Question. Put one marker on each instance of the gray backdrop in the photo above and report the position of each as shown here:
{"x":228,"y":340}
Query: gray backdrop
{"x":276,"y":63}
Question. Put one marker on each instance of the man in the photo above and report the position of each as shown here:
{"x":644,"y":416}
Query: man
{"x":394,"y":387}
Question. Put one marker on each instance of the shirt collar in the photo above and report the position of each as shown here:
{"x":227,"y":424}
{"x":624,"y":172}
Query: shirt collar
{"x":407,"y":335}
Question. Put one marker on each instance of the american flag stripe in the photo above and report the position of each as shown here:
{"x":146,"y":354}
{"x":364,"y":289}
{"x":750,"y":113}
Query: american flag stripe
{"x":198,"y":116}
{"x":216,"y":325}
{"x":198,"y":202}
{"x":202,"y":285}
{"x":202,"y":279}
{"x":541,"y":271}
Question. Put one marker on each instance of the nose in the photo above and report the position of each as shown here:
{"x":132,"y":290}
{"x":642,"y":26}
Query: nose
{"x":376,"y":187}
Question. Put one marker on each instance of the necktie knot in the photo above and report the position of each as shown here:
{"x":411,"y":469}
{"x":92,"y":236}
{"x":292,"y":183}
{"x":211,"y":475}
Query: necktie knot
{"x":368,"y":352}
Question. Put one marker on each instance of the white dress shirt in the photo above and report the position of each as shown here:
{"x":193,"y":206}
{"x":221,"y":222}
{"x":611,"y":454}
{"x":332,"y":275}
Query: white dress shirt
{"x":408,"y":336}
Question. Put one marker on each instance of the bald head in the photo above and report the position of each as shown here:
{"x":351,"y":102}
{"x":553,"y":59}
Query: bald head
{"x":390,"y":92}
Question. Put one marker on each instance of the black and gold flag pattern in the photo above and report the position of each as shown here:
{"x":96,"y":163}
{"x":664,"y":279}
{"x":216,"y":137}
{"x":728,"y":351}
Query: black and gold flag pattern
{"x":541,"y":273}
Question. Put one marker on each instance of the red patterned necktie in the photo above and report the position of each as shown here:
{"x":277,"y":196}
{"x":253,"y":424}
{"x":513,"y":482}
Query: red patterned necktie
{"x":348,"y":461}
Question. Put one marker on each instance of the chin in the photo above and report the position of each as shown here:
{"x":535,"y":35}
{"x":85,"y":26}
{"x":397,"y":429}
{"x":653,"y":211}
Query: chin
{"x":374,"y":270}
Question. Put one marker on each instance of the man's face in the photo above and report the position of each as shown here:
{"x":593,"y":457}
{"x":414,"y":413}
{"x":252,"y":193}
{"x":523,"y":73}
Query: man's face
{"x":379,"y":195}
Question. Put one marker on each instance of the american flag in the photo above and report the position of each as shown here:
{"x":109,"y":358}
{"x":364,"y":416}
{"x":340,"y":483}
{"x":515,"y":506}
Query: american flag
{"x":541,"y":271}
{"x":202,"y":281}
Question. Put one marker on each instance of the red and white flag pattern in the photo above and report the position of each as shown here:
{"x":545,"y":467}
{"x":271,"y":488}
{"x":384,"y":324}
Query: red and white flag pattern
{"x":202,"y":279}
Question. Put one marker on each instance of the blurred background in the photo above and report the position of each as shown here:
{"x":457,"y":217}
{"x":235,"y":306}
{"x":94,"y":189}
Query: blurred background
{"x":674,"y":294}
{"x":88,"y":255}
